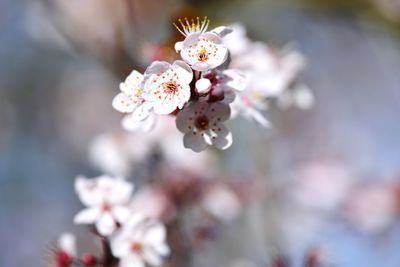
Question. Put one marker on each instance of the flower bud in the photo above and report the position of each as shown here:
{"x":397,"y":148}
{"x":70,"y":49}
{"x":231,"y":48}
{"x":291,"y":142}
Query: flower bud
{"x":203,"y":86}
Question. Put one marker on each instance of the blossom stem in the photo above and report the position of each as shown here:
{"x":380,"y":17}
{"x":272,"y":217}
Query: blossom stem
{"x":108,"y":259}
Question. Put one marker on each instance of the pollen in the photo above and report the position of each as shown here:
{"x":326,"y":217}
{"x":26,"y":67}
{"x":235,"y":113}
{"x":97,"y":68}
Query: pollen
{"x":170,"y":87}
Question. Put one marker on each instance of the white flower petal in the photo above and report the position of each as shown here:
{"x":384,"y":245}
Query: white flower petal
{"x":218,"y":112}
{"x":157,"y":67}
{"x":132,"y":83}
{"x":155,"y":234}
{"x":132,"y":260}
{"x":105,"y":225}
{"x":222,"y":31}
{"x":87,"y":216}
{"x":178,"y":46}
{"x":194,"y":141}
{"x":124,"y":103}
{"x":203,"y":86}
{"x":67,"y":243}
{"x":131,"y":124}
{"x":121,"y":213}
{"x":222,"y":138}
{"x":183,"y":70}
{"x":152,"y":257}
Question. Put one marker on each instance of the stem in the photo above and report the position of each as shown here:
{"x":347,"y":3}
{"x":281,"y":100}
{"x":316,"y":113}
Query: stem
{"x":108,"y":259}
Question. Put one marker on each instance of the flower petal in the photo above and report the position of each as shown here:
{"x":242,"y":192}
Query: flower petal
{"x":124,"y":103}
{"x":218,"y":112}
{"x":146,"y":125}
{"x":183,"y":70}
{"x":131,"y":260}
{"x":194,"y":141}
{"x":121,"y":213}
{"x":106,"y":224}
{"x":152,"y":257}
{"x":222,"y":138}
{"x":87,"y":216}
{"x":222,"y":31}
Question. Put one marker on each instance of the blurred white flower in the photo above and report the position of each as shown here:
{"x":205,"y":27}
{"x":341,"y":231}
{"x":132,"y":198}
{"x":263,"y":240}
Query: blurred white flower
{"x":153,"y":202}
{"x":202,"y":50}
{"x":202,"y":125}
{"x":140,"y":241}
{"x":248,"y":108}
{"x":300,"y":97}
{"x":108,"y":153}
{"x":131,"y":100}
{"x":106,"y":199}
{"x":372,"y":208}
{"x":166,"y":86}
{"x":221,"y":202}
{"x":322,"y":184}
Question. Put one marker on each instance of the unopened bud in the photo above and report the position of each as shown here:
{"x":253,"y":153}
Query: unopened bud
{"x":203,"y":86}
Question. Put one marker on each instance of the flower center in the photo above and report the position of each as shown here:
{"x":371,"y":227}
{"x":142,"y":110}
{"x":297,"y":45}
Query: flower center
{"x":136,"y":246}
{"x":202,"y":123}
{"x":170,"y":87}
{"x":105,"y":206}
{"x":202,"y":55}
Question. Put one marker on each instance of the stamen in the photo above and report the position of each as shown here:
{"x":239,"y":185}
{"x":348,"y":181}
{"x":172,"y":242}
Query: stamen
{"x":193,"y":26}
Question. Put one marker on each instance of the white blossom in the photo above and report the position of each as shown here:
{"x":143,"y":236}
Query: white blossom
{"x":202,"y":50}
{"x":106,"y":199}
{"x":131,"y":101}
{"x":202,"y":125}
{"x":67,"y":244}
{"x":140,"y":241}
{"x":166,"y":86}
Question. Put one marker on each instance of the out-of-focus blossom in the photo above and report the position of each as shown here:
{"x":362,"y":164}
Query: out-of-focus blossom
{"x":301,"y":98}
{"x":65,"y":251}
{"x":140,"y":241}
{"x":221,"y":202}
{"x":373,"y":207}
{"x":202,"y":50}
{"x":202,"y":124}
{"x":108,"y":153}
{"x":317,"y":257}
{"x":321,"y":184}
{"x":154,"y":203}
{"x":131,"y":101}
{"x":166,"y":86}
{"x":106,"y":199}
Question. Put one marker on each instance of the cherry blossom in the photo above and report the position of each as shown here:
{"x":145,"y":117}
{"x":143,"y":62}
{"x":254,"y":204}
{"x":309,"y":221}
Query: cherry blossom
{"x":140,"y":241}
{"x":131,"y":101}
{"x":202,"y":124}
{"x":106,"y":199}
{"x":166,"y":86}
{"x":202,"y":50}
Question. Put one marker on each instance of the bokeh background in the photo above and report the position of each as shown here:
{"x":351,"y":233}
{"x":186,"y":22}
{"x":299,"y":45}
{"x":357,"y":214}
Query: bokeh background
{"x":62,"y":61}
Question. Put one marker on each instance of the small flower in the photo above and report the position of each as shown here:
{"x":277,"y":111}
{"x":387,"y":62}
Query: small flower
{"x":140,"y":241}
{"x":106,"y":199}
{"x":131,"y":100}
{"x":202,"y":124}
{"x":166,"y":86}
{"x":201,"y":49}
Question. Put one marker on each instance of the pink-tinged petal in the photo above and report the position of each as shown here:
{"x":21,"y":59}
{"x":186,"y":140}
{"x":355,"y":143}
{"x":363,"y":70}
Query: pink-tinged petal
{"x":141,"y":112}
{"x":157,"y":67}
{"x":222,"y":138}
{"x":256,"y":115}
{"x":67,"y":243}
{"x":87,"y":216}
{"x":218,"y":112}
{"x":183,"y":70}
{"x":121,"y":213}
{"x":131,"y":260}
{"x":222,"y":31}
{"x":220,"y":57}
{"x":105,"y":225}
{"x":146,"y":125}
{"x":194,"y":141}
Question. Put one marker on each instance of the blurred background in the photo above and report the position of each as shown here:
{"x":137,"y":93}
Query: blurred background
{"x":331,"y":173}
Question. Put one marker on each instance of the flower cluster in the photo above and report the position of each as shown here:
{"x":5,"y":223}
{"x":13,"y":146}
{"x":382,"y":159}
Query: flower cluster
{"x":208,"y":85}
{"x":133,"y":238}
